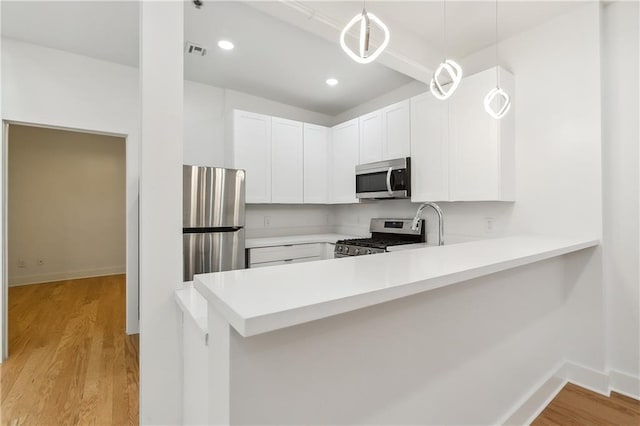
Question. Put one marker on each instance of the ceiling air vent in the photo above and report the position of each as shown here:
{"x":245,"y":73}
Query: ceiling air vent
{"x":194,"y":49}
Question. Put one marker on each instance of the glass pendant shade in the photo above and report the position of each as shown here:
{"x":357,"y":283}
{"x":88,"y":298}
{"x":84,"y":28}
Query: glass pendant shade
{"x":439,"y":89}
{"x":365,"y":19}
{"x":496,"y":94}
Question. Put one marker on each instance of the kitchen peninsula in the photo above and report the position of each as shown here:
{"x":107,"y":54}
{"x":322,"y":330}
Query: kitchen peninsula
{"x":279,"y":352}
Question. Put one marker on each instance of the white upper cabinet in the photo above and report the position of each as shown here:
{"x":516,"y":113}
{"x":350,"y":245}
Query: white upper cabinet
{"x":396,"y":130}
{"x":458,"y":151}
{"x":316,"y":156}
{"x":251,"y":145}
{"x":429,"y":149}
{"x":481,"y":148}
{"x":371,"y":137}
{"x":344,"y":158}
{"x":385,"y":134}
{"x":286,"y":161}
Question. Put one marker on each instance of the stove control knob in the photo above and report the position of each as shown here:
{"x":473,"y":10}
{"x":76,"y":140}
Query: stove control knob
{"x":357,"y":252}
{"x":369,"y":251}
{"x":338,"y":248}
{"x":346,"y":250}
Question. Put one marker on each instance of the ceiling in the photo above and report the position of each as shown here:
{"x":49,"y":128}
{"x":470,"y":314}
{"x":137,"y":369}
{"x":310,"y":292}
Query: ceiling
{"x":470,"y":24}
{"x":272,"y":58}
{"x":278,"y":61}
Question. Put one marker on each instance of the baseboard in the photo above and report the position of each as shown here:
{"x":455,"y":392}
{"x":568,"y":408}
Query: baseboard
{"x":586,"y":377}
{"x":68,"y":275}
{"x":532,"y":404}
{"x":541,"y":395}
{"x":625,"y":384}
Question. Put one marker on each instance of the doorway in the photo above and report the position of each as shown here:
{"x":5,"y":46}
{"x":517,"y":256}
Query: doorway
{"x":68,"y":352}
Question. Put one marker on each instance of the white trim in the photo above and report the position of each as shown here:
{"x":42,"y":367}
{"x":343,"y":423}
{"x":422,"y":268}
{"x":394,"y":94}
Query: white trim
{"x":532,"y":404}
{"x":527,"y":409}
{"x":587,"y":378}
{"x":66,"y":275}
{"x":624,"y":384}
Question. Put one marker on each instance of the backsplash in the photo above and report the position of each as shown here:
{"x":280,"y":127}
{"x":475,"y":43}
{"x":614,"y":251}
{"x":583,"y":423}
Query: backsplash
{"x":468,"y":220}
{"x":274,"y":220}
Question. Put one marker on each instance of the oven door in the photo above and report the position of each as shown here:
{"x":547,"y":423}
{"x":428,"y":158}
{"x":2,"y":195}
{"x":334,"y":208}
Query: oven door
{"x":384,"y":179}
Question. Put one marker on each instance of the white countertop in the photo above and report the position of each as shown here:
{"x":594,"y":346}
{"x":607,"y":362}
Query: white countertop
{"x":294,"y":239}
{"x":256,"y":301}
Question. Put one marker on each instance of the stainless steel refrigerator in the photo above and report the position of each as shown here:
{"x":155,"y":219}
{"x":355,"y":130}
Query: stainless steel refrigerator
{"x":213,"y":220}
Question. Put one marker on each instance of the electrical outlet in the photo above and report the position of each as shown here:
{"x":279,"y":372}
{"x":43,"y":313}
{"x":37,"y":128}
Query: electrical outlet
{"x":22,"y":263}
{"x":267,"y":221}
{"x":489,"y":225}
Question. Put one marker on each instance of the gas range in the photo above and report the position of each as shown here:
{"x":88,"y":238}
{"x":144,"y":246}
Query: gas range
{"x":384,"y":233}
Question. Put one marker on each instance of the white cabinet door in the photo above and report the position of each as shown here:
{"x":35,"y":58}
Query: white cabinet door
{"x":481,"y":154}
{"x":371,"y":137}
{"x":396,"y":130}
{"x":251,"y":141}
{"x":316,"y":151}
{"x":286,"y":161}
{"x":429,"y":149}
{"x":344,"y":157}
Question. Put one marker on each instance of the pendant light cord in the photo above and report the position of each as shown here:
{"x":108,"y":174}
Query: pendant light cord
{"x":444,"y":27}
{"x":497,"y":63}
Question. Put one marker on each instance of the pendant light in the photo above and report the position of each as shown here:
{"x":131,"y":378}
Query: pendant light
{"x":449,"y":66}
{"x":364,"y":56}
{"x":497,"y":94}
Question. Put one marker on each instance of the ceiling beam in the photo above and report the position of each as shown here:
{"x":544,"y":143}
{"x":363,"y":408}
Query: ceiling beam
{"x":406,"y":53}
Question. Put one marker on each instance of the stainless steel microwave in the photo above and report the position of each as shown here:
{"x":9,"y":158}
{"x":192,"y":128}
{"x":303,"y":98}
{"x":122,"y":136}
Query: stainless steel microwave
{"x":384,"y":179}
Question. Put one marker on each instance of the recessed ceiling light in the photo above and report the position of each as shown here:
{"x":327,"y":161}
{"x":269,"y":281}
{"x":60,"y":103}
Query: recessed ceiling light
{"x":225,"y":44}
{"x":332,"y":81}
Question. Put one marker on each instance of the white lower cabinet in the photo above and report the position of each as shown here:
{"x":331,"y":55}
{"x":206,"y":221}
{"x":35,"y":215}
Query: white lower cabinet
{"x":261,"y":257}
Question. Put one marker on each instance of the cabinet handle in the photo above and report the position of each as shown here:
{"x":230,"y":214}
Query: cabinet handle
{"x":288,"y":260}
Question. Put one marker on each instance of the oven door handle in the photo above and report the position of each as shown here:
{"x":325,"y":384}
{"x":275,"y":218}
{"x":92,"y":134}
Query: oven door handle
{"x":389,"y":189}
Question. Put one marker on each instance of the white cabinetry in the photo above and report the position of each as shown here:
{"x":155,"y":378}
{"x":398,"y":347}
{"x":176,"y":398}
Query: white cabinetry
{"x":286,"y":161}
{"x":458,"y":151}
{"x":283,"y":255}
{"x":396,"y":130}
{"x":370,"y":137}
{"x":429,"y":149}
{"x":251,"y":151}
{"x":481,"y":148}
{"x":385,"y":134}
{"x":316,"y":155}
{"x":344,"y":158}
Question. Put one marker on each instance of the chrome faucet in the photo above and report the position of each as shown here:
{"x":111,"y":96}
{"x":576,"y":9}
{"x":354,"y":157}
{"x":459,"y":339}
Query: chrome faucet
{"x":416,"y":220}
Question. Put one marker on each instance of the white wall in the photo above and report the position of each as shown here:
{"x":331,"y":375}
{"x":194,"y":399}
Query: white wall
{"x":59,"y":89}
{"x":247,"y":102}
{"x":620,"y":115}
{"x":66,"y":205}
{"x":203,"y":125}
{"x":401,"y":93}
{"x":264,"y":220}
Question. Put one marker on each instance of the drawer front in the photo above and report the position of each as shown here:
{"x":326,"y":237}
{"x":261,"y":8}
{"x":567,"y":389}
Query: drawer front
{"x":279,"y":253}
{"x":285,"y":262}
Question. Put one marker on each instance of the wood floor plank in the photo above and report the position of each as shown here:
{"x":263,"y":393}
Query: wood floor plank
{"x":578,"y":406}
{"x":70,"y":360}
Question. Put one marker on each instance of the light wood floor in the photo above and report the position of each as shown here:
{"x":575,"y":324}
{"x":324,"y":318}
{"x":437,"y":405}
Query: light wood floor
{"x":578,"y":406}
{"x":70,"y":360}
